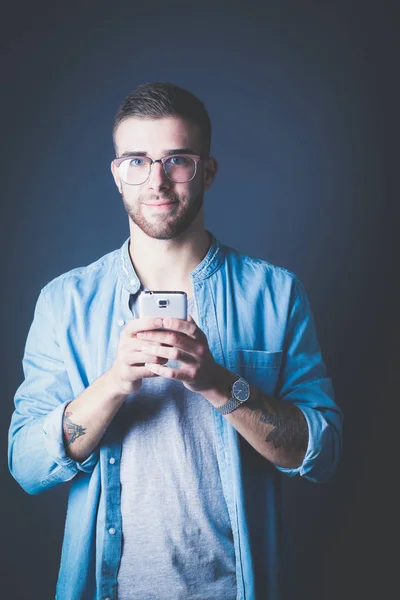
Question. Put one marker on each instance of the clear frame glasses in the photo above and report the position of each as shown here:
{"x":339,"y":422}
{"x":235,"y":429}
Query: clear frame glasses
{"x":179,"y":168}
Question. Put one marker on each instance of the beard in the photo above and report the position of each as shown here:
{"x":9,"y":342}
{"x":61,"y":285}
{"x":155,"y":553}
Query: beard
{"x":165,"y":227}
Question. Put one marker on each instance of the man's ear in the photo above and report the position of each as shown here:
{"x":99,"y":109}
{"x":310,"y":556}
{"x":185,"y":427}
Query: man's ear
{"x":117,"y":179}
{"x":210,"y":171}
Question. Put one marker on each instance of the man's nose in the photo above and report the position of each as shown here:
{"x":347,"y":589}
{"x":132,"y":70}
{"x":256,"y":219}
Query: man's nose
{"x":158,"y":177}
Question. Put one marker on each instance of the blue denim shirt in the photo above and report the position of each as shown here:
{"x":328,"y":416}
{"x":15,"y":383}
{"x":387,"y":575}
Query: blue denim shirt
{"x":258,"y":324}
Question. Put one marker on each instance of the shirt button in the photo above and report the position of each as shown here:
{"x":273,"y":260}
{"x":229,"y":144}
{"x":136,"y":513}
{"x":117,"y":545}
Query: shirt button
{"x":111,"y":531}
{"x":121,"y":322}
{"x":112,"y":460}
{"x":132,"y":282}
{"x":108,"y":598}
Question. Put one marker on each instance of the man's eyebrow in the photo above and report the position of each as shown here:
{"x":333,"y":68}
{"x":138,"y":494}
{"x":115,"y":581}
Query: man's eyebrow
{"x":166,"y":153}
{"x":180,"y":151}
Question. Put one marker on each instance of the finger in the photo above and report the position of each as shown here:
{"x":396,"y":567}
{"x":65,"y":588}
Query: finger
{"x":143,"y":324}
{"x":139,"y":358}
{"x":167,"y":352}
{"x":167,"y":372}
{"x":188,"y":327}
{"x":132,"y":344}
{"x":134,"y":373}
{"x":171,"y":338}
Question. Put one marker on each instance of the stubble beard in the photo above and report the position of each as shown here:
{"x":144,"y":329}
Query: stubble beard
{"x":165,"y":227}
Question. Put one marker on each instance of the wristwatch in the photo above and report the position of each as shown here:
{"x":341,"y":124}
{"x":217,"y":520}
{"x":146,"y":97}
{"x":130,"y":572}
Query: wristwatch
{"x":240,"y":393}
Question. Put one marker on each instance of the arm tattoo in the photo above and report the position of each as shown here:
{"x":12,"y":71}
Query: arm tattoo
{"x":71,"y":430}
{"x":289,"y":425}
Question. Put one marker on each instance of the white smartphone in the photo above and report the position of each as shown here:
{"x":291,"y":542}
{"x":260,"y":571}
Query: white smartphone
{"x":163,"y":304}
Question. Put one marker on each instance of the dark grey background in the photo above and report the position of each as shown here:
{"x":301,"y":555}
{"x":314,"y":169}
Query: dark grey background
{"x":303,"y":99}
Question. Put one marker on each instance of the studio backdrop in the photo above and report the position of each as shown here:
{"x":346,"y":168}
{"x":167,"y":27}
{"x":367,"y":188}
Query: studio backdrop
{"x":298,"y":97}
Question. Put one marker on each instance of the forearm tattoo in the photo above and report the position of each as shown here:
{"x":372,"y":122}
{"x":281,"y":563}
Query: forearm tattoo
{"x":290,"y":427}
{"x":71,"y":430}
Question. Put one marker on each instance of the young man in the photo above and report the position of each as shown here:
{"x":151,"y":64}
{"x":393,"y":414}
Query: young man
{"x":174,"y":432}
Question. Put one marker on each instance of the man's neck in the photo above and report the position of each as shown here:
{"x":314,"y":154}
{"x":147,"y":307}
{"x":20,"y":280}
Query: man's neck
{"x":167,"y":264}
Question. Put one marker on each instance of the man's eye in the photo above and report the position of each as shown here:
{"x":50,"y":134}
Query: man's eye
{"x":136,"y":162}
{"x":176,"y":160}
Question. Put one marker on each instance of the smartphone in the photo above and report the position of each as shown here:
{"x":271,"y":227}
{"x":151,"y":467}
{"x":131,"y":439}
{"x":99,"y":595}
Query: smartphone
{"x":163,"y":304}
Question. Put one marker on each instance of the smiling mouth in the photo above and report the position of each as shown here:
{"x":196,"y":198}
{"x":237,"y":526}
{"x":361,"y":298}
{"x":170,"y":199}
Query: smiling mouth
{"x":161,"y":207}
{"x":164,"y":203}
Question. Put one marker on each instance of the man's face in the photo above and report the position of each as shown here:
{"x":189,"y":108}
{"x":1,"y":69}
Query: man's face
{"x":161,"y":208}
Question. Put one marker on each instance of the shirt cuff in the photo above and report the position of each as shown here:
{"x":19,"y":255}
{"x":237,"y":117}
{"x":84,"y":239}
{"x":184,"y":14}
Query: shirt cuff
{"x":315,"y":466}
{"x":53,"y":429}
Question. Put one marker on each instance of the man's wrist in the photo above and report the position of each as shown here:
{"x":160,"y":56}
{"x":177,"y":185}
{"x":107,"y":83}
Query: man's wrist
{"x":220,"y":393}
{"x":112,"y":387}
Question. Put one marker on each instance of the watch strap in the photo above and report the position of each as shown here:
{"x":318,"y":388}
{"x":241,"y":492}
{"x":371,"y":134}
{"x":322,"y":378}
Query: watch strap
{"x":229,"y":406}
{"x":233,"y":403}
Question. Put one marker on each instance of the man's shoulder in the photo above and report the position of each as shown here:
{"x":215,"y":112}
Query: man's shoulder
{"x":89,"y":274}
{"x":262,"y":267}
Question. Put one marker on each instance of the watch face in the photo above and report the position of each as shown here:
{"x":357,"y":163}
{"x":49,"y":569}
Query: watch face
{"x":241,"y":390}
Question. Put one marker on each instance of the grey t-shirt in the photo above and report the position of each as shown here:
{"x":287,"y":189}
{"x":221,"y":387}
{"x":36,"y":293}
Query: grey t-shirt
{"x":177,"y":536}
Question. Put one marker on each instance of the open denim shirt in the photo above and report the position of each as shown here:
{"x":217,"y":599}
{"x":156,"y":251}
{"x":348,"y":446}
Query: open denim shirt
{"x":258,"y":323}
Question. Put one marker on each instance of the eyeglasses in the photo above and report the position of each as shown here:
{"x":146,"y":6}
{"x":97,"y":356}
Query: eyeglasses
{"x":179,"y":168}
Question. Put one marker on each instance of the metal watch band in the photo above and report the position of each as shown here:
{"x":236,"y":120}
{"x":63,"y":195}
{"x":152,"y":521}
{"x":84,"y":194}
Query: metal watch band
{"x":234,"y":401}
{"x":228,"y":407}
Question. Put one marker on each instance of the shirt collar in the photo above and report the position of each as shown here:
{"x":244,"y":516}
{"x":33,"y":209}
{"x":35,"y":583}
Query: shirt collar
{"x":210,"y":263}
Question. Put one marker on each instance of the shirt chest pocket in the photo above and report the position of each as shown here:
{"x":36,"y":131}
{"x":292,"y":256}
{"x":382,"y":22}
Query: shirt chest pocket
{"x":259,"y":367}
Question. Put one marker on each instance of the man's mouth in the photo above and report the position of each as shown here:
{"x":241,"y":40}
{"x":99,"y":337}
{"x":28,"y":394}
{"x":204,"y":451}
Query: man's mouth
{"x":160,"y":204}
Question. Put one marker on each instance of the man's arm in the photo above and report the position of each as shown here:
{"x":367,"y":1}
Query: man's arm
{"x":53,"y":434}
{"x":36,"y":453}
{"x":276,"y":429}
{"x":300,"y":428}
{"x":87,"y":418}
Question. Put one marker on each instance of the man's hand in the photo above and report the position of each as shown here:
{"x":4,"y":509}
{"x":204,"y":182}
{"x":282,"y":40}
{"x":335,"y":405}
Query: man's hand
{"x":183,"y":341}
{"x":129,"y":367}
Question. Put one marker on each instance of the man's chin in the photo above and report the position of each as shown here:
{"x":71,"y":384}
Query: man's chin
{"x":162,"y":232}
{"x":157,"y":230}
{"x":165,"y":226}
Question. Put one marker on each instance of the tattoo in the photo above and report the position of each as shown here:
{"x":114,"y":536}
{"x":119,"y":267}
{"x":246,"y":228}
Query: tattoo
{"x":289,"y":425}
{"x":71,"y":430}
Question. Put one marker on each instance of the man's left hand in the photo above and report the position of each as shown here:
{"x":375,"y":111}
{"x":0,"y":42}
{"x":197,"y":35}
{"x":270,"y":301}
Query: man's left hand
{"x":185,"y":342}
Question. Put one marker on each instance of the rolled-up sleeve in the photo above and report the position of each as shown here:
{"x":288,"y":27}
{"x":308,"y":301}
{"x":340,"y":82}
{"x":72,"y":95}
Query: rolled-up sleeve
{"x":36,"y":452}
{"x":304,"y":382}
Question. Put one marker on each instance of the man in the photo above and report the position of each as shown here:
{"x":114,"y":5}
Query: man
{"x":174,"y":433}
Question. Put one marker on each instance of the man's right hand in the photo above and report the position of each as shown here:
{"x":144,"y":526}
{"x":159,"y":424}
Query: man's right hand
{"x":128,"y":369}
{"x":87,"y":417}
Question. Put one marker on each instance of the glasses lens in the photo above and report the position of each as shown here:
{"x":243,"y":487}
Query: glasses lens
{"x":135,"y":170}
{"x":180,"y":168}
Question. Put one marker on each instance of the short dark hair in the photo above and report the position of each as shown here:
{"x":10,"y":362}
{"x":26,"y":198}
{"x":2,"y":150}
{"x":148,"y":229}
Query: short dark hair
{"x":160,"y":100}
